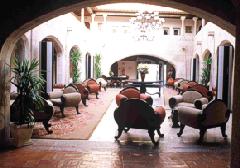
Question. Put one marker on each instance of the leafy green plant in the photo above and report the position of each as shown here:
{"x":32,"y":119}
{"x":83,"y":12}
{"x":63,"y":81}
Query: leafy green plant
{"x":75,"y":59}
{"x":29,"y":85}
{"x":206,"y":71}
{"x":98,"y":65}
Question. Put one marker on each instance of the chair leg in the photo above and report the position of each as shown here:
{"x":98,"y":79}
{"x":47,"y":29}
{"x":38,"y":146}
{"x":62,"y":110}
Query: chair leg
{"x":151,"y":134}
{"x":181,"y":130}
{"x":84,"y":101}
{"x":62,"y":109}
{"x":223,"y":130}
{"x":120,"y":130}
{"x":126,"y":130}
{"x":46,"y":126}
{"x":159,"y":133}
{"x":202,"y":132}
{"x":105,"y":88}
{"x":77,"y":110}
{"x":97,"y":95}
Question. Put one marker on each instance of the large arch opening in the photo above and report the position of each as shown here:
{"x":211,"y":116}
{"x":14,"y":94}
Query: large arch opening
{"x":12,"y":38}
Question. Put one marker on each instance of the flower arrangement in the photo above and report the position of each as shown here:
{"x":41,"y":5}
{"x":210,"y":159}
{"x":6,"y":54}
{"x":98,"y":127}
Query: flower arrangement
{"x":143,"y":68}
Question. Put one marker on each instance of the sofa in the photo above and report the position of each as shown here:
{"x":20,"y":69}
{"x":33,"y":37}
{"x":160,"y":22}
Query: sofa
{"x":214,"y":114}
{"x":137,"y":113}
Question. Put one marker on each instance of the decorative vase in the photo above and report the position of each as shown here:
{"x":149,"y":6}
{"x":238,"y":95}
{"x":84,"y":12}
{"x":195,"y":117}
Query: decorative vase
{"x":142,"y":76}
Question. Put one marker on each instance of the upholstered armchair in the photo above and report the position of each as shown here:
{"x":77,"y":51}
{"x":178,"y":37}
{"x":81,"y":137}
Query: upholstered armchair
{"x":188,"y":98}
{"x":132,"y":92}
{"x":214,"y":114}
{"x":69,"y":97}
{"x":39,"y":116}
{"x":92,"y":86}
{"x":102,"y":82}
{"x":138,"y":114}
{"x":83,"y":91}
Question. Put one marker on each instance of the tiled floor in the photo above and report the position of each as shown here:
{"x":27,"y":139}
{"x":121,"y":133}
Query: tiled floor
{"x":133,"y":150}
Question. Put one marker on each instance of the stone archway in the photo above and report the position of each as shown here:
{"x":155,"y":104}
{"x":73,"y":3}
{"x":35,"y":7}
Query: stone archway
{"x":43,"y":11}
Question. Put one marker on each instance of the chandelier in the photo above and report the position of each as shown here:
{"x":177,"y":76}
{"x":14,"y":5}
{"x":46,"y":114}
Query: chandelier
{"x":145,"y":25}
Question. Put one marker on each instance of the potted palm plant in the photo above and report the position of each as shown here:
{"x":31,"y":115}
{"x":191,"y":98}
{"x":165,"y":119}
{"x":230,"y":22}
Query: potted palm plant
{"x":28,"y":85}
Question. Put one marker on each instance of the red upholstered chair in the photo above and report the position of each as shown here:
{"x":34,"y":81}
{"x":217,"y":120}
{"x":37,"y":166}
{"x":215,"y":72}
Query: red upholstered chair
{"x":135,"y":111}
{"x":188,"y":85}
{"x":84,"y":92}
{"x":92,"y":86}
{"x":132,"y":92}
{"x":203,"y":90}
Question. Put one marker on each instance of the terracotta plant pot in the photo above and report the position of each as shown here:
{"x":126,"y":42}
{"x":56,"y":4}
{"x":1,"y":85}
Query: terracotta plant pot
{"x":21,"y":135}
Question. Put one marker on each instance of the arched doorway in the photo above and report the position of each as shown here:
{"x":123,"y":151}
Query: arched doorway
{"x":225,"y":54}
{"x":50,"y":50}
{"x":225,"y":9}
{"x":89,"y":67}
{"x":195,"y":69}
{"x":158,"y":69}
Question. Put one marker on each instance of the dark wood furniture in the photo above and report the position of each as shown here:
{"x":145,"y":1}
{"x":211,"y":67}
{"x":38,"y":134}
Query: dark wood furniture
{"x":92,"y":86}
{"x":144,"y":85}
{"x":215,"y":114}
{"x":84,"y":92}
{"x":137,"y":113}
{"x":43,"y":115}
{"x":117,"y":81}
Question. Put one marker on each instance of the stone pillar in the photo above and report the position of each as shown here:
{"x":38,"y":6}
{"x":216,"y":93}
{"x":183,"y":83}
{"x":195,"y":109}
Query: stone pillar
{"x":235,"y":139}
{"x":93,"y":21}
{"x":195,"y":25}
{"x":104,"y":22}
{"x":203,"y":22}
{"x":82,"y":16}
{"x":183,"y":26}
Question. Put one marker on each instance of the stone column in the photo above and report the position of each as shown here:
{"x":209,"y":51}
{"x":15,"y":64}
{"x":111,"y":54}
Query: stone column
{"x":195,"y":25}
{"x":104,"y":22}
{"x":203,"y":22}
{"x":82,"y":16}
{"x":93,"y":21}
{"x":235,"y":144}
{"x":183,"y":26}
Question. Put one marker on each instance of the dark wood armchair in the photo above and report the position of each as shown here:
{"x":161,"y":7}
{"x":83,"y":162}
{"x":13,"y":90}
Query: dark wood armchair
{"x":92,"y":86}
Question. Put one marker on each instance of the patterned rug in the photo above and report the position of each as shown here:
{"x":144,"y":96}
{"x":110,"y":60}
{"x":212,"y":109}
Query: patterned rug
{"x":75,"y":126}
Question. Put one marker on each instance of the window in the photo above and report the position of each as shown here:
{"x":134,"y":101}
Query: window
{"x":188,"y":29}
{"x":165,"y":31}
{"x":176,"y":31}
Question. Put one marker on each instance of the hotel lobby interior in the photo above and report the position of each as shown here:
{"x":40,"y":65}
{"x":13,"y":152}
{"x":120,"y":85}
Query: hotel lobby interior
{"x":120,"y":84}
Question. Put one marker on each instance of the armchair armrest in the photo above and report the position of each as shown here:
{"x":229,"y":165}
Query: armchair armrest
{"x":147,"y":98}
{"x":173,"y":101}
{"x":55,"y":94}
{"x":119,"y":98}
{"x":198,"y":103}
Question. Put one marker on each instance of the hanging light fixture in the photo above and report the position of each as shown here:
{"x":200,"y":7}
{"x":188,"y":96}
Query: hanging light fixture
{"x":145,"y":25}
